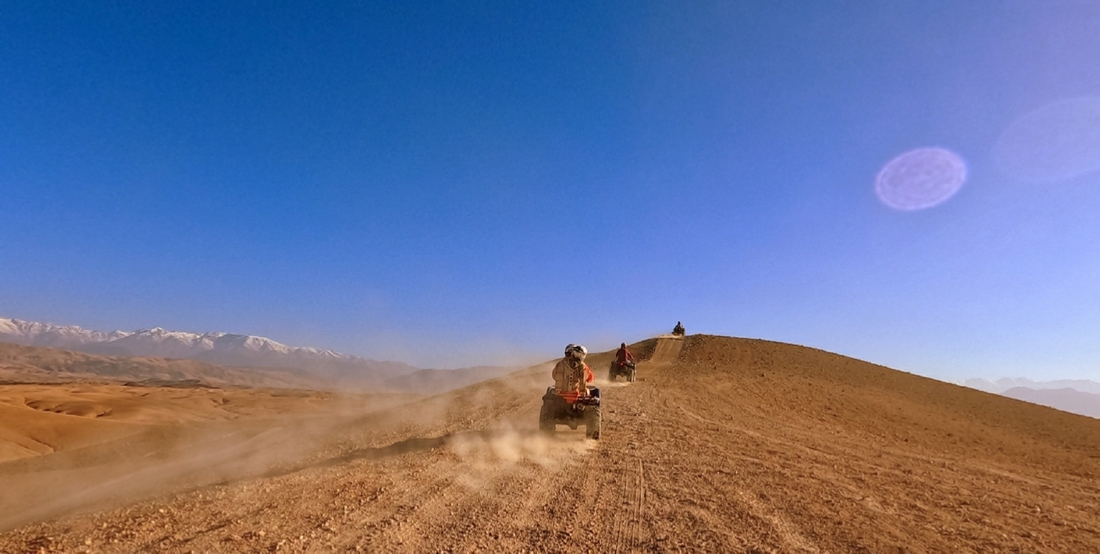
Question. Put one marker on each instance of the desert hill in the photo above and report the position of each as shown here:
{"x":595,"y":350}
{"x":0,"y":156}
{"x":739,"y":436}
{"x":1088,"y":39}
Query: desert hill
{"x":723,"y":445}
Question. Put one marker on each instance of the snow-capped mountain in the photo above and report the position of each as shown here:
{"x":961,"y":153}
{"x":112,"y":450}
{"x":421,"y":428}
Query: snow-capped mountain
{"x":32,"y":333}
{"x":218,"y":348}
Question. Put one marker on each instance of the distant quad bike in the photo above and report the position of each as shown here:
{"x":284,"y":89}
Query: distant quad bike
{"x":627,"y":369}
{"x":559,"y":409}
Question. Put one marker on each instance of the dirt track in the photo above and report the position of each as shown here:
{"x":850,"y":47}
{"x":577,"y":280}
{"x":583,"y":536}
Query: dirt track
{"x":728,"y":445}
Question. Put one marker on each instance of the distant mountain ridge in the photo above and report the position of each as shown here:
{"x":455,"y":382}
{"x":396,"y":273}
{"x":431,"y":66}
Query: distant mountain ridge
{"x":1001,"y":385}
{"x":1067,"y":400}
{"x":36,"y":364}
{"x":227,"y":349}
{"x":1078,"y":396}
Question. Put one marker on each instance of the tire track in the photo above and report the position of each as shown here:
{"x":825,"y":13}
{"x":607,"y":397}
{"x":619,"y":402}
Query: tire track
{"x":639,"y":490}
{"x":666,"y":351}
{"x":788,"y":533}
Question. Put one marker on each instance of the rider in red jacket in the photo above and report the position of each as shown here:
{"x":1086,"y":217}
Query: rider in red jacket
{"x":623,"y":355}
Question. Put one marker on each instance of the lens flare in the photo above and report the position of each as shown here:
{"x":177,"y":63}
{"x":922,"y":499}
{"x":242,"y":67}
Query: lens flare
{"x":1056,"y":142}
{"x":920,"y":179}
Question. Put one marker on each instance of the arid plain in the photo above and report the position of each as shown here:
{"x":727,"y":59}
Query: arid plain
{"x":722,"y":445}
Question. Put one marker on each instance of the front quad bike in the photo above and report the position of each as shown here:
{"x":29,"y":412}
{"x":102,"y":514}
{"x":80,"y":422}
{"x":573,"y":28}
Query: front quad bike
{"x":628,"y":370}
{"x":558,"y":410}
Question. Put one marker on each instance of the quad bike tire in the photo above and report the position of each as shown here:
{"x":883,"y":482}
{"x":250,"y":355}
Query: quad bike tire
{"x":546,"y":420}
{"x":594,"y":423}
{"x":630,"y":377}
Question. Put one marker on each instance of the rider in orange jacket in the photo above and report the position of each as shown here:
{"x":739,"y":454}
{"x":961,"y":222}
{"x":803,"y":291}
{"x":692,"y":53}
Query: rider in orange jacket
{"x":572,"y":375}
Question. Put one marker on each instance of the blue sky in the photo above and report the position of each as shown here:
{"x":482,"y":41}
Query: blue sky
{"x":452,"y":184}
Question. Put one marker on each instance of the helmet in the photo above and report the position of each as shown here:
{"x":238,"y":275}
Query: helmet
{"x":577,"y":351}
{"x":569,"y":348}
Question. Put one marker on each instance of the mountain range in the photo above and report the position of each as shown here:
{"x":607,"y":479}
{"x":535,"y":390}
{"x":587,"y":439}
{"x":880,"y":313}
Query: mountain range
{"x":1067,"y":399}
{"x":1001,"y":385}
{"x":225,"y":349}
{"x":1079,"y":396}
{"x":156,"y":354}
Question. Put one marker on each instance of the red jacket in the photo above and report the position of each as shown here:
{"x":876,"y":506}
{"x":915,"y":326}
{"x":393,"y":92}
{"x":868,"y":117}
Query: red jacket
{"x":623,"y":356}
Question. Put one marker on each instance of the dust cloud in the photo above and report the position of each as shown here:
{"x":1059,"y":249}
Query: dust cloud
{"x":490,"y":427}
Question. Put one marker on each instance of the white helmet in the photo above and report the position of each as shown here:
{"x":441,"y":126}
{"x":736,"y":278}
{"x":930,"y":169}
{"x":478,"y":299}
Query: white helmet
{"x":577,"y":351}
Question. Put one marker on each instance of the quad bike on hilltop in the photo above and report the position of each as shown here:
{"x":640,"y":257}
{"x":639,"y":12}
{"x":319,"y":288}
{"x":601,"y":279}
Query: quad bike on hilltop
{"x":573,"y":410}
{"x":626,"y":369}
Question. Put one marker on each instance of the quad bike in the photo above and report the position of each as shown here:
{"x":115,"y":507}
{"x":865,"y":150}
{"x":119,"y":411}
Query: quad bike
{"x":559,"y":410}
{"x":626,"y":369}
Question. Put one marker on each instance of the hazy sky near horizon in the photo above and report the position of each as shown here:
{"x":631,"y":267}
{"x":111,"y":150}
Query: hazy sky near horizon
{"x":460,"y":183}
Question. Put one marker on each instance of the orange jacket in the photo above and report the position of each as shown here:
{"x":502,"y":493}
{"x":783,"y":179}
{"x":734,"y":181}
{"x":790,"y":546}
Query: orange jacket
{"x":569,"y":379}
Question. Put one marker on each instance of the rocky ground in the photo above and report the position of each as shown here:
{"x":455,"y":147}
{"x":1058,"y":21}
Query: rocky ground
{"x":722,"y":445}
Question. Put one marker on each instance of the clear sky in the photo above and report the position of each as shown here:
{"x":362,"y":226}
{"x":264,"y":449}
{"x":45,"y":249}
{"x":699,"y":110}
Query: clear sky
{"x":456,"y":183}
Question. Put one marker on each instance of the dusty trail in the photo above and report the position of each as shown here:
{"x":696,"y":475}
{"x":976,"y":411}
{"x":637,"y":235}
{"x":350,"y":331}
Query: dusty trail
{"x":723,"y":445}
{"x":666,"y":350}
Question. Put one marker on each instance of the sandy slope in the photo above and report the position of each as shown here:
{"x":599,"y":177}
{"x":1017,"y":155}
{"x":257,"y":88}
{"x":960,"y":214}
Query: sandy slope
{"x":722,"y":445}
